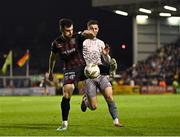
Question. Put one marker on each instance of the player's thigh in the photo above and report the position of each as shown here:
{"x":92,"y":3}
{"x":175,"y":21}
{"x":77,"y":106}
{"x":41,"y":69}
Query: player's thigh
{"x":105,"y":87}
{"x":108,"y":94}
{"x":90,"y":87}
{"x":103,"y":82}
{"x":68,"y":90}
{"x":91,"y":92}
{"x":92,"y":102}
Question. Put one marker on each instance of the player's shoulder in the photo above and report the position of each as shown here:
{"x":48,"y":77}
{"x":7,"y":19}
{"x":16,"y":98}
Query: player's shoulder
{"x":100,"y":41}
{"x":87,"y":41}
{"x":58,"y":40}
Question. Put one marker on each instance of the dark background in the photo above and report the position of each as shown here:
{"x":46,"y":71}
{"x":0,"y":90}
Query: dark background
{"x":33,"y":25}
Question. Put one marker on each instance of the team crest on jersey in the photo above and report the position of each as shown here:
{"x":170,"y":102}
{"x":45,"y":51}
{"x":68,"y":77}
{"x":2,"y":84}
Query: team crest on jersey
{"x":73,"y":41}
{"x":59,"y":46}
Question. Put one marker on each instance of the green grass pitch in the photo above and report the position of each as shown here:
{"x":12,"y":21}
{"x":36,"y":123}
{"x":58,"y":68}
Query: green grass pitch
{"x":142,"y":115}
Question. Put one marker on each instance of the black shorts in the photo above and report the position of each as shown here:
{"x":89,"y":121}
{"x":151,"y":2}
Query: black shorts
{"x":77,"y":74}
{"x":74,"y":75}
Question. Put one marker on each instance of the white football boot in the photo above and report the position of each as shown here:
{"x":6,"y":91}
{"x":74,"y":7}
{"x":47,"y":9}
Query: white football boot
{"x":63,"y":126}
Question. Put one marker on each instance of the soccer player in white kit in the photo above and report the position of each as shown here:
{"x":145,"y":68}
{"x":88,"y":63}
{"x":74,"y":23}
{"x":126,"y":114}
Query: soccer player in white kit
{"x":93,"y":50}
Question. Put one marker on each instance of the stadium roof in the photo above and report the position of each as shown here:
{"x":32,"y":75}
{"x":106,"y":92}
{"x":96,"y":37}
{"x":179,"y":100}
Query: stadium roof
{"x":132,"y":6}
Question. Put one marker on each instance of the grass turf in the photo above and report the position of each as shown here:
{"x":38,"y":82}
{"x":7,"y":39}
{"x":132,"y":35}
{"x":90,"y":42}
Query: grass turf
{"x":147,"y":115}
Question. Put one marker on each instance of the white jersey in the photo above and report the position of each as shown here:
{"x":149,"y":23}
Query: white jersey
{"x":92,"y":50}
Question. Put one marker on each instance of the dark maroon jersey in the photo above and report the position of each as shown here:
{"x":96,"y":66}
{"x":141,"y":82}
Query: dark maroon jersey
{"x":69,"y":50}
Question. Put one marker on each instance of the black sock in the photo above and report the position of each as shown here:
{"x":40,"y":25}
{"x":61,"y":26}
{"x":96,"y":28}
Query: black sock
{"x":65,"y":107}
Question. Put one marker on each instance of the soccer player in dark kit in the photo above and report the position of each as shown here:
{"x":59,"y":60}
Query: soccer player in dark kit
{"x":69,"y":47}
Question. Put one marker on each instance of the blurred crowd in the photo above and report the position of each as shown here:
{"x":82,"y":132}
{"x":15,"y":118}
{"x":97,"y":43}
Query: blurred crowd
{"x":161,"y":68}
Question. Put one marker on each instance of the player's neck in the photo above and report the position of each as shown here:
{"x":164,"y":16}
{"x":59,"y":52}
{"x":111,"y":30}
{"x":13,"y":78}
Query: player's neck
{"x":65,"y":37}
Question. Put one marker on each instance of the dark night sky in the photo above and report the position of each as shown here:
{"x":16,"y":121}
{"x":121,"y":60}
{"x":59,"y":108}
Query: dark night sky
{"x":34,"y":25}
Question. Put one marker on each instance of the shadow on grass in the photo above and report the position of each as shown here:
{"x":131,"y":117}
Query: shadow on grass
{"x":30,"y":126}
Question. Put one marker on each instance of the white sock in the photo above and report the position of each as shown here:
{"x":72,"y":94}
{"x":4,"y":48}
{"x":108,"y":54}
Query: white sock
{"x":65,"y":123}
{"x":116,"y":121}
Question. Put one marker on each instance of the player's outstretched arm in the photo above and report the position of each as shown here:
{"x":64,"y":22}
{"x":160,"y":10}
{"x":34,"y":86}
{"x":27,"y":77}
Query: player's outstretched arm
{"x":88,"y":34}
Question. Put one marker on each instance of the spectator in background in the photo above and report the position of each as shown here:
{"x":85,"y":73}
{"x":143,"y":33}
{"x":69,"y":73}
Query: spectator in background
{"x":164,"y":64}
{"x":162,"y":82}
{"x":175,"y":82}
{"x":45,"y":83}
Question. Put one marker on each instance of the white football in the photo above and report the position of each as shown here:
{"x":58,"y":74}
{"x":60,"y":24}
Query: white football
{"x":92,"y":71}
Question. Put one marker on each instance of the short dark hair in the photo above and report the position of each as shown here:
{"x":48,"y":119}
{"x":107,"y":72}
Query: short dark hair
{"x":90,"y":22}
{"x":65,"y":22}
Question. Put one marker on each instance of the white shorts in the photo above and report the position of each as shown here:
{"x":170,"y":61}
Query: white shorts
{"x":93,"y":85}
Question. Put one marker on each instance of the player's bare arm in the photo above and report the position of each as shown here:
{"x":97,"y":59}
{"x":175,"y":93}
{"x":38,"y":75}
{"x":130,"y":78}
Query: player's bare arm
{"x":105,"y":54}
{"x":52,"y":61}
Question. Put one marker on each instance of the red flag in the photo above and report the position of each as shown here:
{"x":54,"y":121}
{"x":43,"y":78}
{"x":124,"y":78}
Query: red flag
{"x":23,"y":59}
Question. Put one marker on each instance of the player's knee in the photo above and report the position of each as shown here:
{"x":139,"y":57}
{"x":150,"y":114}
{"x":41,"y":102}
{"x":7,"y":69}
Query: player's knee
{"x":68,"y":90}
{"x":94,"y":107}
{"x":109,"y":98}
{"x":66,"y":95}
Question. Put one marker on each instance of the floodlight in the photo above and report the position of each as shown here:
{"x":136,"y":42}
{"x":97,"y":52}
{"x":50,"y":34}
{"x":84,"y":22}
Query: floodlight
{"x":121,"y":12}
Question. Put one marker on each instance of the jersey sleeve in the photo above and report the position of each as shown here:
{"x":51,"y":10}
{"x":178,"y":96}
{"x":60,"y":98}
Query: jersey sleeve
{"x":102,"y":46}
{"x":80,"y":39}
{"x":54,"y":48}
{"x":85,"y":43}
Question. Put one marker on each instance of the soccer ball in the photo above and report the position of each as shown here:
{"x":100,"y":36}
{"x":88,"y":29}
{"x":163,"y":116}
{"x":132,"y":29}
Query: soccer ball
{"x":91,"y":71}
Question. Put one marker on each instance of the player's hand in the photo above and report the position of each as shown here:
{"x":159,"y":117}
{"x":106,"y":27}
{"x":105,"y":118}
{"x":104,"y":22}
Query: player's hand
{"x":88,"y":34}
{"x":106,"y":51}
{"x":51,"y":77}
